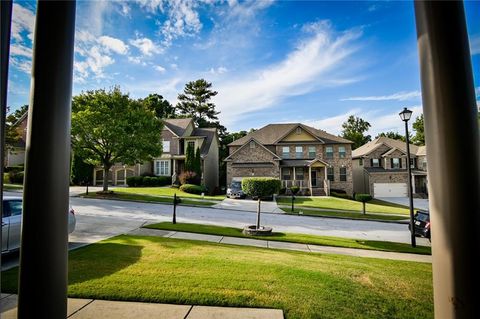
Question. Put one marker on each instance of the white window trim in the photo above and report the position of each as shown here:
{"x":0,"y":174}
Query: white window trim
{"x":164,"y":144}
{"x":158,"y":167}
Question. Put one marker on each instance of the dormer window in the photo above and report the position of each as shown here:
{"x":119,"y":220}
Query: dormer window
{"x":396,"y":163}
{"x":375,"y":162}
{"x":299,"y":130}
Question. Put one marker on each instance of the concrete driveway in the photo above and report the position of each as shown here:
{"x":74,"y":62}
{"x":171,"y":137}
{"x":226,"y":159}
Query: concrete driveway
{"x":419,"y":203}
{"x":249,"y":205}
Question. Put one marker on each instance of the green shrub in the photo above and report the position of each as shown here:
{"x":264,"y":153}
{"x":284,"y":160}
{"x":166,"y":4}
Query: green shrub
{"x":189,"y":177}
{"x":261,"y":186}
{"x":164,"y":180}
{"x":193,"y":189}
{"x":135,"y":181}
{"x":6,"y":178}
{"x":151,"y":181}
{"x":340,"y":195}
{"x":282,"y":191}
{"x":363,"y":197}
{"x":15,"y":177}
{"x":294,"y":189}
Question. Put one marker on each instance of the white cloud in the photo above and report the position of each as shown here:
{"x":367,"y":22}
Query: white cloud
{"x":475,"y":44}
{"x":174,"y":66}
{"x":23,"y":20}
{"x":159,"y":68}
{"x":137,"y":60}
{"x":113,"y":44}
{"x":20,"y":50}
{"x":146,"y":46}
{"x":378,"y":119}
{"x":318,"y":61}
{"x":399,"y":96}
{"x":219,"y":70}
{"x":21,"y":64}
{"x":247,"y":9}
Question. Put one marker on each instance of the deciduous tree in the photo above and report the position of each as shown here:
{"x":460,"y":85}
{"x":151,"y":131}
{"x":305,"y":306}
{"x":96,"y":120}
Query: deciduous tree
{"x":354,"y":129}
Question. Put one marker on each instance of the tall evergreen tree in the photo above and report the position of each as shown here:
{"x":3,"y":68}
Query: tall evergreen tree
{"x":418,"y":127}
{"x":189,"y":158}
{"x":198,"y":163}
{"x":195,"y":101}
{"x":160,"y":106}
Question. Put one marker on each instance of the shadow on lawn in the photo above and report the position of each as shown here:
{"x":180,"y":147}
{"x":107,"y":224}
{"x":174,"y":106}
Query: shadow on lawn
{"x":88,"y":263}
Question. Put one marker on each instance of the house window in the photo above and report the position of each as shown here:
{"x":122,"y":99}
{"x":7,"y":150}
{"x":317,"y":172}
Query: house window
{"x":191,"y":144}
{"x":311,"y":152}
{"x":396,"y":163}
{"x":343,"y":174}
{"x":162,"y":168}
{"x":329,"y":152}
{"x":252,"y":144}
{"x":341,"y":152}
{"x":166,"y":146}
{"x":424,"y":164}
{"x":413,"y":162}
{"x":330,"y":174}
{"x":360,"y":161}
{"x":299,"y":173}
{"x":299,"y":130}
{"x":298,"y":152}
{"x":375,"y":162}
{"x":286,"y":174}
{"x":285,"y":152}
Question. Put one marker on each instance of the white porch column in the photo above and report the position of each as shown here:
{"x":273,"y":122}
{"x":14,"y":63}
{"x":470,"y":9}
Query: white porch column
{"x":310,"y":179}
{"x":125,"y":177}
{"x":413,"y":184}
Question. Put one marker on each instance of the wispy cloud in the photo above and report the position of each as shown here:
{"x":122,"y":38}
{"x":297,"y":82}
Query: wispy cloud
{"x":23,"y":20}
{"x":20,"y":50}
{"x":316,"y":62}
{"x":379,"y":119}
{"x":113,"y":44}
{"x":146,"y":46}
{"x":475,"y":44}
{"x":399,"y":96}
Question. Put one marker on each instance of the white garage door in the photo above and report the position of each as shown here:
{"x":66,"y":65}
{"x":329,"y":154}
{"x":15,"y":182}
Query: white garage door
{"x":390,"y":190}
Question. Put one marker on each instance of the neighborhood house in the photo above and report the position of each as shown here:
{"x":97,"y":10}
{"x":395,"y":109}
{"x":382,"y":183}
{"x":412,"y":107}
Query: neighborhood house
{"x":176,"y":136}
{"x":380,"y":168}
{"x":299,"y":155}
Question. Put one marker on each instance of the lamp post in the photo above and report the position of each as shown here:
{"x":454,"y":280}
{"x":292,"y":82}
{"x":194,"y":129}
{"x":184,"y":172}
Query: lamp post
{"x":405,"y":115}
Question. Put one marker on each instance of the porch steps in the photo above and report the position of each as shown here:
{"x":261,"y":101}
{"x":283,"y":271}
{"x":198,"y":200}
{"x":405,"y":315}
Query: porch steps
{"x":318,"y":192}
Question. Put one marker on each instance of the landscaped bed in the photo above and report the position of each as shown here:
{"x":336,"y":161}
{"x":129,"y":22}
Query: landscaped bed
{"x":295,"y":238}
{"x":373,"y":206}
{"x":304,"y":285}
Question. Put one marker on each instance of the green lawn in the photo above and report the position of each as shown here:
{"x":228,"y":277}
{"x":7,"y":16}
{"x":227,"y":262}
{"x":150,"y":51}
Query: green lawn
{"x":351,"y":215}
{"x":147,"y":198}
{"x":164,"y":191}
{"x":12,"y":186}
{"x":374,"y":206}
{"x":304,"y":285}
{"x":295,"y":238}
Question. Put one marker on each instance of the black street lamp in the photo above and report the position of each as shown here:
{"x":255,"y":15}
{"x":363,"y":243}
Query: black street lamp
{"x":405,"y":115}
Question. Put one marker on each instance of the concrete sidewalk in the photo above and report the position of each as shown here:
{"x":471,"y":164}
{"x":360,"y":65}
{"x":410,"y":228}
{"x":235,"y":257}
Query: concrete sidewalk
{"x":90,"y":308}
{"x":283,"y":245}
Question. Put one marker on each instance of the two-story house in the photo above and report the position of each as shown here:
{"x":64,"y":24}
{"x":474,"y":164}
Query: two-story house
{"x":380,"y":168}
{"x":176,"y":136}
{"x":300,"y":155}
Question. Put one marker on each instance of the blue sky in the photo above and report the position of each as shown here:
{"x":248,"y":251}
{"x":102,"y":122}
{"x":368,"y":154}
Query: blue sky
{"x":271,"y":61}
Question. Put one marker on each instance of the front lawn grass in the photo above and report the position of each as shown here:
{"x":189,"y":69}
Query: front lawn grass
{"x":165,"y":191}
{"x":351,"y":215}
{"x":304,"y":285}
{"x":147,"y":198}
{"x":373,"y":206}
{"x":295,"y":238}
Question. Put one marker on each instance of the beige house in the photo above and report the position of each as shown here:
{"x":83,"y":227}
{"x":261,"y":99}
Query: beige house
{"x":176,"y":136}
{"x":299,"y":155}
{"x":380,"y":168}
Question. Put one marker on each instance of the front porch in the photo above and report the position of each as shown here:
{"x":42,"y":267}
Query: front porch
{"x":309,"y":176}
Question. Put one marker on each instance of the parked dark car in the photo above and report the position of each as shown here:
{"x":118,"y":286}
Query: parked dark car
{"x":421,"y":219}
{"x":235,"y":190}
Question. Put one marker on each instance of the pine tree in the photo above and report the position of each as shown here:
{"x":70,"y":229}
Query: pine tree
{"x":198,"y":163}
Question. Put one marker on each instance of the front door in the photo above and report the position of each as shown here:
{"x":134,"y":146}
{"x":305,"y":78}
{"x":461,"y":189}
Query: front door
{"x":314,"y":178}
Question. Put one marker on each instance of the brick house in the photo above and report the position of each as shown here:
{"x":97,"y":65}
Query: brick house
{"x":297,"y":154}
{"x":176,"y":135}
{"x":380,"y":168}
{"x":15,"y":154}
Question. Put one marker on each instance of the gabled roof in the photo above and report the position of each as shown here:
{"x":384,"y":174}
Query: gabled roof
{"x":20,"y":120}
{"x":275,"y":156}
{"x":272,"y":133}
{"x":208,"y":134}
{"x":178,"y":126}
{"x":389,"y":142}
{"x":393,"y":149}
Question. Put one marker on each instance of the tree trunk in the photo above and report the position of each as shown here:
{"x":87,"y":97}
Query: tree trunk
{"x":105,"y":178}
{"x":258,"y":214}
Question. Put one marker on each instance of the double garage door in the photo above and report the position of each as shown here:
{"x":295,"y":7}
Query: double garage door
{"x":390,"y":190}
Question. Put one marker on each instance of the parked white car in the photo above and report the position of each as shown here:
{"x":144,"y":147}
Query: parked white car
{"x":12,"y":223}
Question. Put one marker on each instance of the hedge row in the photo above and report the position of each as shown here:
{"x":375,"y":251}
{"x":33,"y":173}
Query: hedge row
{"x":138,"y":181}
{"x":15,"y":177}
{"x":193,"y":189}
{"x":261,"y":186}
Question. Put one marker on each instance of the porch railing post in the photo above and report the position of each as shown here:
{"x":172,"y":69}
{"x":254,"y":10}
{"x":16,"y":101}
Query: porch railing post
{"x":44,"y":244}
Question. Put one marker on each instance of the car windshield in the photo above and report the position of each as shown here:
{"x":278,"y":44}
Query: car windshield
{"x":236,"y":185}
{"x":423,"y":217}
